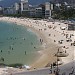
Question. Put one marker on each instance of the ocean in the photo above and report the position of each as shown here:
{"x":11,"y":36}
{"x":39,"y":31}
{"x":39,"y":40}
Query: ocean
{"x":18,"y":44}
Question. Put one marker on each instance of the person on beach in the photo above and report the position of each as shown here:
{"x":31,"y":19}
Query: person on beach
{"x":41,"y":40}
{"x":51,"y":66}
{"x":65,"y":51}
{"x":70,"y":35}
{"x":49,"y":34}
{"x":54,"y":40}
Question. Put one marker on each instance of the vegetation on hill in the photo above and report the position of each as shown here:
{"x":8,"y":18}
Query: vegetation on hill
{"x":64,"y":13}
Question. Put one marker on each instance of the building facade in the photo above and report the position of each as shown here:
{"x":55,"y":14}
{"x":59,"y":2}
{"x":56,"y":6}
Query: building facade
{"x":43,"y":10}
{"x":16,"y":8}
{"x":24,"y":7}
{"x":8,"y":11}
{"x":48,"y":9}
{"x":35,"y":12}
{"x":1,"y":10}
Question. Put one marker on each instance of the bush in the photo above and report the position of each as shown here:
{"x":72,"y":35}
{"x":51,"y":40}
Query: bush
{"x":15,"y":65}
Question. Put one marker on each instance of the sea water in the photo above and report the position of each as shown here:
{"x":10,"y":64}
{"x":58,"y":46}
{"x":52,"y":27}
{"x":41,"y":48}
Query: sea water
{"x":18,"y":44}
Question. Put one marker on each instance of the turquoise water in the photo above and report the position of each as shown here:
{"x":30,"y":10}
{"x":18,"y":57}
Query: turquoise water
{"x":18,"y":44}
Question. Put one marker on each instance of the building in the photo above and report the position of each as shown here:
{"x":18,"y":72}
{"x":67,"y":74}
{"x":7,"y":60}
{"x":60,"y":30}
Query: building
{"x":16,"y":8}
{"x":8,"y":11}
{"x":31,"y":11}
{"x":48,"y":9}
{"x":1,"y":10}
{"x":38,"y":12}
{"x":43,"y":10}
{"x":24,"y":7}
{"x":35,"y":11}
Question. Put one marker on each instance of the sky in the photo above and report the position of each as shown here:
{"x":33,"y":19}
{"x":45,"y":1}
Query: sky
{"x":6,"y":3}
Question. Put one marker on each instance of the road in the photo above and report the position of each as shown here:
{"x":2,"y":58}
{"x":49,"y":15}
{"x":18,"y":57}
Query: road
{"x":66,"y":69}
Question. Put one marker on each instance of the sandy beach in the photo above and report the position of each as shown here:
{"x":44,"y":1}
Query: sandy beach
{"x":52,"y":38}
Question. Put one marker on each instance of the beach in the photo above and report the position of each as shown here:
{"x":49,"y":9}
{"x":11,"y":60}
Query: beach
{"x":52,"y":38}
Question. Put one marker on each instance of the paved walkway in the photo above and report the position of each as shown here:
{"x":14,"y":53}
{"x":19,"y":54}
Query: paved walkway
{"x":67,"y":69}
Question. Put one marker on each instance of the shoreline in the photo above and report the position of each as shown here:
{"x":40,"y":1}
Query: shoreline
{"x":42,"y":29}
{"x":41,"y":52}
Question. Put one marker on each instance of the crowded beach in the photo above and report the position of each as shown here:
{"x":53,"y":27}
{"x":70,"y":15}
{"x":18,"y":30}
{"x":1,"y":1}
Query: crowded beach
{"x":55,"y":38}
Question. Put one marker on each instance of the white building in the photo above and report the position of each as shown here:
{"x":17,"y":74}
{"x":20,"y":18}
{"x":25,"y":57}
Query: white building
{"x":24,"y":6}
{"x":16,"y":8}
{"x":48,"y":9}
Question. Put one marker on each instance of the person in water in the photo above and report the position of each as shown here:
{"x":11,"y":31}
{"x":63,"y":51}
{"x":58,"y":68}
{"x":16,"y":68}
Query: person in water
{"x":25,"y":52}
{"x":1,"y":51}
